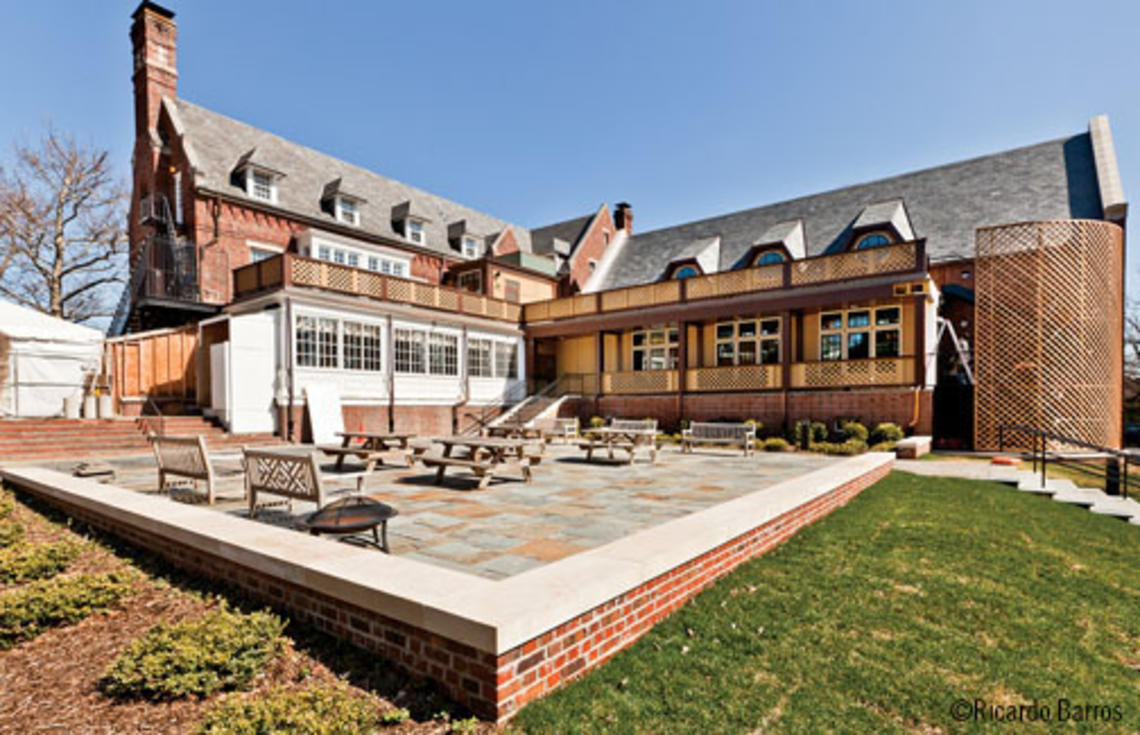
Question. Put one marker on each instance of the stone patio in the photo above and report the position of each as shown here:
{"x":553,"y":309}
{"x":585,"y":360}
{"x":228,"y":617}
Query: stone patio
{"x":512,"y":527}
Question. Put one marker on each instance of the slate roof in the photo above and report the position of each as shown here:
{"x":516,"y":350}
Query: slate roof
{"x":219,"y":143}
{"x":542,"y":238}
{"x":946,"y":204}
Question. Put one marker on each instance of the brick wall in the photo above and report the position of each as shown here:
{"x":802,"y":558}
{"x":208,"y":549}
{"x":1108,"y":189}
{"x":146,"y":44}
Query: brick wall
{"x":419,"y":420}
{"x":870,"y":406}
{"x":493,"y":686}
{"x":593,"y":244}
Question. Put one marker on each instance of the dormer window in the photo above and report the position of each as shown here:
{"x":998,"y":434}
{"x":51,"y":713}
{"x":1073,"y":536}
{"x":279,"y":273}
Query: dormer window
{"x":872,"y":240}
{"x":260,"y":185}
{"x":769,"y":257}
{"x":414,"y":231}
{"x":471,"y":248}
{"x":686,"y":271}
{"x":347,"y":211}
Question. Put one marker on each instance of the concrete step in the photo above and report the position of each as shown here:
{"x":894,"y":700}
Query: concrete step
{"x":1084,"y":498}
{"x":1031,"y":483}
{"x":1118,"y":507}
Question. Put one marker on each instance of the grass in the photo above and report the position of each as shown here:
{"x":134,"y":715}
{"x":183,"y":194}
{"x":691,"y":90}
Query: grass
{"x":921,"y":592}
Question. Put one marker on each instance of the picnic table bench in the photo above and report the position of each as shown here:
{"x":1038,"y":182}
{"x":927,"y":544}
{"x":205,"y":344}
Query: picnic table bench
{"x":625,"y":435}
{"x":699,"y":432}
{"x":486,"y":455}
{"x":379,"y":442}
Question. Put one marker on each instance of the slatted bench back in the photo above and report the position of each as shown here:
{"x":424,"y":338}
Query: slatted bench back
{"x":297,"y":477}
{"x":634,"y":425}
{"x":716,"y":430}
{"x":184,"y":456}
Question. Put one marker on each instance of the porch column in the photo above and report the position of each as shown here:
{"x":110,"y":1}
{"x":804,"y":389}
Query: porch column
{"x":599,"y":357}
{"x":786,"y":355}
{"x":682,"y":365}
{"x":920,"y":339}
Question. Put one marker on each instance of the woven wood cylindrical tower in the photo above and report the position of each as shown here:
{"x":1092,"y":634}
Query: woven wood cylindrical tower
{"x":1049,"y":330}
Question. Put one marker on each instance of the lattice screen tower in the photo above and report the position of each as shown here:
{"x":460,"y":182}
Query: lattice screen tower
{"x":1049,"y":330}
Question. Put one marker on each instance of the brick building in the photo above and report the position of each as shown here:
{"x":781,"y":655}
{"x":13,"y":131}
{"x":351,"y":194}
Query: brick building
{"x":866,"y":301}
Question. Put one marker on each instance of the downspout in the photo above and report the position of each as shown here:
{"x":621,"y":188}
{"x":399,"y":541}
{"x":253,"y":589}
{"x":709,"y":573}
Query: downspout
{"x":390,"y":377}
{"x":289,"y":332}
{"x":916,"y":413}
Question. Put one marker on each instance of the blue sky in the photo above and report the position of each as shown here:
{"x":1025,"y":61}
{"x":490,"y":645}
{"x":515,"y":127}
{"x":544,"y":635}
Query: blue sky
{"x":537,"y":112}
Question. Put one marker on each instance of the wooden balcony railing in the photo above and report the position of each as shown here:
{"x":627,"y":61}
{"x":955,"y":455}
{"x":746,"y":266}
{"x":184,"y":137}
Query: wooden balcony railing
{"x":640,"y":381}
{"x":853,"y":373}
{"x":293,"y":270}
{"x":899,"y":258}
{"x":733,"y":377}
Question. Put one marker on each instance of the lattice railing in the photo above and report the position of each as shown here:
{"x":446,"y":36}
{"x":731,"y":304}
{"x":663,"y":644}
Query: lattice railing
{"x":640,"y":381}
{"x":853,"y":373}
{"x":899,"y":258}
{"x":288,"y":269}
{"x":859,"y":264}
{"x":733,"y":377}
{"x":1048,"y":331}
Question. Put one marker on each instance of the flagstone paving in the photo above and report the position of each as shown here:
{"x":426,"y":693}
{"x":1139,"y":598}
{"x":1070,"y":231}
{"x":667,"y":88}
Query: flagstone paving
{"x":512,"y":526}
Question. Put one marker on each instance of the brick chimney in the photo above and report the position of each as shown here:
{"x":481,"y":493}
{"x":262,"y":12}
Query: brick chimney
{"x":154,"y":44}
{"x":623,"y":217}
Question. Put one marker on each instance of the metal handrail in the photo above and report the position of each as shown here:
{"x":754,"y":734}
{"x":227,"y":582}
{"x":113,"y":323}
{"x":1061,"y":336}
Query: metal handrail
{"x":1115,"y":473}
{"x":150,"y":403}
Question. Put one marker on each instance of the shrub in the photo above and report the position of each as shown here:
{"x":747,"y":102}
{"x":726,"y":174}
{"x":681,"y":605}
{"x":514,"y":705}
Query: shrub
{"x":817,"y":432}
{"x":844,"y":448}
{"x":597,"y":422}
{"x":28,"y":611}
{"x":886,"y":432}
{"x":776,"y":444}
{"x":855,"y":430}
{"x":36,"y":561}
{"x":10,"y":533}
{"x":222,"y":650}
{"x":324,"y":709}
{"x":7,"y":504}
{"x":883,"y":447}
{"x":756,"y":424}
{"x":395,"y":716}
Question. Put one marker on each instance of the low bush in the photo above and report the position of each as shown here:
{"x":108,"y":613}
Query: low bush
{"x":845,"y":448}
{"x":886,"y":432}
{"x":817,"y":432}
{"x":776,"y":444}
{"x":597,"y":422}
{"x":30,"y":610}
{"x":7,"y":504}
{"x":36,"y":561}
{"x":884,"y":447}
{"x":855,"y":430}
{"x":222,"y":650}
{"x":10,"y":533}
{"x":325,"y":709}
{"x":756,"y":424}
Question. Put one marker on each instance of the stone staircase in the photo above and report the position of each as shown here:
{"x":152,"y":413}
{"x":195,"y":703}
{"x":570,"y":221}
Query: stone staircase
{"x":28,"y":440}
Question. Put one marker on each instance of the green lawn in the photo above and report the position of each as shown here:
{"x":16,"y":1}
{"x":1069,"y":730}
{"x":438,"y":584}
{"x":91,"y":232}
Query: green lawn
{"x":921,"y":592}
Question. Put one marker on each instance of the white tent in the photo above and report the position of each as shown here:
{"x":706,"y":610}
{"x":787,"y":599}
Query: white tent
{"x":43,"y":360}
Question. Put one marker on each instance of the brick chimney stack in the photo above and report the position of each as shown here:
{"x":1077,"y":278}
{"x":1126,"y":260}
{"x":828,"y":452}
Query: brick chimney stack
{"x":623,"y":217}
{"x":154,"y":44}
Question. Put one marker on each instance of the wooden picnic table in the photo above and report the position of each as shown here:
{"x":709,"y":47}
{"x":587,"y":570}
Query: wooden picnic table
{"x":378,"y":442}
{"x":514,"y":431}
{"x":486,"y":454}
{"x":627,"y":440}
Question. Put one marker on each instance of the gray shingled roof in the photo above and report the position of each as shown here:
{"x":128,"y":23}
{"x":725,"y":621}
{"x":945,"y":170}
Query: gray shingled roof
{"x":542,"y":238}
{"x":219,"y":143}
{"x":1051,"y":180}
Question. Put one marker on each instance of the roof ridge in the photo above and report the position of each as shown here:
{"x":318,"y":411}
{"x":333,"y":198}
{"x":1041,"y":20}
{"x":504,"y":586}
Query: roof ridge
{"x":868,"y":182}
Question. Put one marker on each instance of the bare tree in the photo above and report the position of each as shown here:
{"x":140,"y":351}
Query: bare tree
{"x":1132,"y":360}
{"x":62,"y":229}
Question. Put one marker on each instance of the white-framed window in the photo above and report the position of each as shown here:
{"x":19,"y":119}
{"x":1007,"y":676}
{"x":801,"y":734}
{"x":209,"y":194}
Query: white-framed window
{"x":363,"y":346}
{"x":352,"y":259}
{"x":256,"y":255}
{"x":177,"y":197}
{"x":860,"y":334}
{"x":443,"y":354}
{"x":470,"y":281}
{"x":414,"y":231}
{"x":472,"y":248}
{"x":347,"y":211}
{"x":748,"y":342}
{"x":409,"y":351}
{"x":316,"y":339}
{"x":506,"y":360}
{"x":339,"y":256}
{"x":358,"y":258}
{"x":260,"y":185}
{"x":479,"y":358}
{"x":655,"y":349}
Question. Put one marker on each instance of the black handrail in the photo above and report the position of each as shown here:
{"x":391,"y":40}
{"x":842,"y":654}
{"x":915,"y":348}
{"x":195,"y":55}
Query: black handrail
{"x":1114,"y":473}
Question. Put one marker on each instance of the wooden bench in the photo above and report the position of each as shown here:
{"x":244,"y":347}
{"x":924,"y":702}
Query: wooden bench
{"x":185,"y":457}
{"x":483,"y":469}
{"x":292,"y":476}
{"x":564,"y":429}
{"x":741,"y":435}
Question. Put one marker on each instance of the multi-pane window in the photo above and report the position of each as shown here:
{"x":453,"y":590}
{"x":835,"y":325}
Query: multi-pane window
{"x":471,"y":248}
{"x":506,"y":360}
{"x":415,"y":231}
{"x":347,"y":211}
{"x":479,"y":363}
{"x":860,"y":334}
{"x":470,"y":281}
{"x":260,"y":185}
{"x":655,"y":349}
{"x":362,"y":347}
{"x":316,"y":340}
{"x":409,"y":350}
{"x":355,"y":258}
{"x":748,"y":342}
{"x":443,"y":354}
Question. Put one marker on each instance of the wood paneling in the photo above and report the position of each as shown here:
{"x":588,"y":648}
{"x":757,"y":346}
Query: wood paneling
{"x":159,"y":364}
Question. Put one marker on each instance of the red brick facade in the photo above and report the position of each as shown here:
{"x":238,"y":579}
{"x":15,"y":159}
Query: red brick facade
{"x":590,"y":248}
{"x":869,"y":406}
